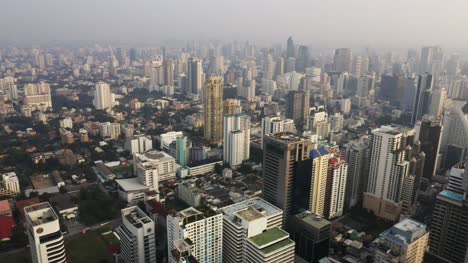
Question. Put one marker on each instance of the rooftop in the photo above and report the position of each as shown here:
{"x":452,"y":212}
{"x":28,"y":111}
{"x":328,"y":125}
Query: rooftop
{"x":453,"y":196}
{"x":135,"y":216}
{"x":41,"y":213}
{"x":250,"y":214}
{"x":314,"y":220}
{"x":277,"y":246}
{"x":131,"y":184}
{"x":287,"y":137}
{"x":405,"y":231}
{"x":258,"y":204}
{"x":269,"y":237}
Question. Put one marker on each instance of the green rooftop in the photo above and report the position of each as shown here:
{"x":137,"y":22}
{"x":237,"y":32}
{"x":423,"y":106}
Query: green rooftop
{"x":268,"y":236}
{"x":277,"y":246}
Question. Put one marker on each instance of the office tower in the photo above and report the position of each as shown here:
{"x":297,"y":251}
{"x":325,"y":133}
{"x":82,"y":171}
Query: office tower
{"x":422,"y":97}
{"x":342,"y":83}
{"x":406,"y":241}
{"x":448,"y":240}
{"x":336,"y":122}
{"x":103,"y":98}
{"x":336,"y":186}
{"x":168,"y":72}
{"x":318,"y":191}
{"x":436,"y":106}
{"x":194,"y":76}
{"x":303,"y":58}
{"x":311,"y":234}
{"x":197,"y":232}
{"x":290,"y":48}
{"x":456,"y":179}
{"x":236,"y":134}
{"x":137,"y":237}
{"x":153,"y":166}
{"x":356,"y":66}
{"x":297,"y":106}
{"x":246,"y":89}
{"x":390,"y":89}
{"x":342,"y":60}
{"x":411,"y":182}
{"x":269,"y":69}
{"x":280,"y":67}
{"x":356,"y":154}
{"x":365,"y":88}
{"x":290,"y":64}
{"x":282,"y":152}
{"x":213,"y":107}
{"x":110,"y":130}
{"x":274,"y":124}
{"x":455,"y":123}
{"x":37,"y":96}
{"x":317,"y":122}
{"x":429,"y":135}
{"x":429,"y":56}
{"x":45,"y":238}
{"x":244,"y":220}
{"x":232,"y":106}
{"x":387,"y":171}
{"x":273,"y":245}
{"x":11,"y":183}
{"x":139,"y":143}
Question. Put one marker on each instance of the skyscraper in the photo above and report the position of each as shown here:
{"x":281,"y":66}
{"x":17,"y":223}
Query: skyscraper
{"x":422,"y":97}
{"x":318,"y":184}
{"x":282,"y":153}
{"x":236,"y":134}
{"x":197,"y":232}
{"x":297,"y":106}
{"x":448,"y":240}
{"x":45,"y":238}
{"x":342,"y":60}
{"x":455,"y":125}
{"x":213,"y":107}
{"x":387,"y":171}
{"x":336,"y":186}
{"x":317,"y":122}
{"x":429,"y":135}
{"x":168,"y":72}
{"x":274,"y":124}
{"x":290,"y":48}
{"x":137,"y":237}
{"x":356,"y":153}
{"x":194,"y":76}
{"x":303,"y":59}
{"x":232,"y":106}
{"x":103,"y":97}
{"x":153,"y":166}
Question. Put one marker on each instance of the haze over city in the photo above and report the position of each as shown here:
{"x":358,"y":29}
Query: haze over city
{"x":331,"y":23}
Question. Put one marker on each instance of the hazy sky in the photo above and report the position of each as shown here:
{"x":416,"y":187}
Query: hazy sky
{"x":332,"y":23}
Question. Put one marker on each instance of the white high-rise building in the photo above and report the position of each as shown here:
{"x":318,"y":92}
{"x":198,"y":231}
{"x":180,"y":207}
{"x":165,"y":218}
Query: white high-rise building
{"x":271,"y":246}
{"x":244,"y":220}
{"x":11,"y":183}
{"x":169,"y":137}
{"x":336,"y":182}
{"x":387,"y":171}
{"x":110,"y":130}
{"x":45,"y":238}
{"x":37,"y":96}
{"x":103,"y":97}
{"x":336,"y":122}
{"x":8,"y":87}
{"x":137,"y":237}
{"x":196,"y":232}
{"x":438,"y":98}
{"x":317,"y":122}
{"x":455,"y":125}
{"x":236,"y":136}
{"x":153,"y":166}
{"x":139,"y":143}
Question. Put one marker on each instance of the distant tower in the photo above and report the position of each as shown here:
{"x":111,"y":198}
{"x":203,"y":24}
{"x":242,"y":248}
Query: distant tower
{"x":423,"y":97}
{"x":213,"y":107}
{"x":342,"y":60}
{"x":45,"y":238}
{"x":236,"y":134}
{"x":297,"y":106}
{"x":194,"y":76}
{"x":290,"y":48}
{"x":103,"y":98}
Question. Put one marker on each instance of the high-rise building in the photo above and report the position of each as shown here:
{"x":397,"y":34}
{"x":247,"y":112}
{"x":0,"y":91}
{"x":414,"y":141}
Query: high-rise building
{"x":110,"y":130}
{"x":168,"y":72}
{"x":213,"y":107}
{"x":139,"y":143}
{"x":197,"y":232}
{"x":406,"y":241}
{"x":273,"y":245}
{"x":232,"y":106}
{"x":244,"y":220}
{"x":282,"y":154}
{"x":274,"y":124}
{"x":297,"y":106}
{"x":37,"y":96}
{"x":422,"y":97}
{"x":194,"y":76}
{"x":290,"y":48}
{"x":391,"y":89}
{"x":455,"y":123}
{"x":303,"y":59}
{"x":336,"y":186}
{"x":236,"y":134}
{"x":448,"y":239}
{"x":45,"y":237}
{"x":387,"y":171}
{"x":318,"y":185}
{"x":429,"y":135}
{"x":103,"y":97}
{"x":342,"y":60}
{"x":311,"y":234}
{"x":11,"y":183}
{"x":152,"y":167}
{"x":182,"y":154}
{"x":8,"y":87}
{"x":317,"y":122}
{"x":356,"y":153}
{"x":137,"y":237}
{"x":436,"y":106}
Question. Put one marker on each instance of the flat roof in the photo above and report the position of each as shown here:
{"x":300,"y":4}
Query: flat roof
{"x":250,"y":214}
{"x":269,"y":236}
{"x":131,"y":184}
{"x":452,"y":195}
{"x":40,"y":213}
{"x":277,"y":246}
{"x":314,"y":220}
{"x":41,"y":181}
{"x":135,"y":216}
{"x":256,"y":203}
{"x":287,"y":137}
